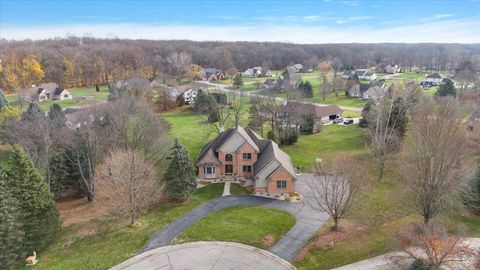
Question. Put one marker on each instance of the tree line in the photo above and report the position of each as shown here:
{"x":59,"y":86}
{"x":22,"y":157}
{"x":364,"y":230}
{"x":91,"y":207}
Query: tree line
{"x":84,"y":61}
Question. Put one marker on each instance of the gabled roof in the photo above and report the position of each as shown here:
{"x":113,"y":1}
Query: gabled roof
{"x":182,"y":89}
{"x":58,"y":91}
{"x":434,"y":76}
{"x":49,"y":87}
{"x":364,"y":87}
{"x":369,"y":74}
{"x":210,"y":71}
{"x":313,"y":109}
{"x":360,"y":72}
{"x":269,"y":82}
{"x":241,"y":131}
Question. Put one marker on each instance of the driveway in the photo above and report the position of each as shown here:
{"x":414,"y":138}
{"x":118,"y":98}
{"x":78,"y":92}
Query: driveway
{"x":308,"y":219}
{"x":209,"y":255}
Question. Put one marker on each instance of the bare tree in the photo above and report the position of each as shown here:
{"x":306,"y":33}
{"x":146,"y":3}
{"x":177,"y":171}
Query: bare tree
{"x":384,"y":119}
{"x":436,"y":156}
{"x":431,"y":247}
{"x":334,"y":188}
{"x":238,"y":107}
{"x":126,"y":183}
{"x":177,"y":62}
{"x":325,"y":69}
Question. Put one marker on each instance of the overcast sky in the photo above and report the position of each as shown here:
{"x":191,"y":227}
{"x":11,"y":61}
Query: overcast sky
{"x":327,"y":21}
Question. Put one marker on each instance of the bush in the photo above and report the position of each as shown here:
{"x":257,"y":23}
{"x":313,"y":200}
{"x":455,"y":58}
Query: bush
{"x":418,"y":265}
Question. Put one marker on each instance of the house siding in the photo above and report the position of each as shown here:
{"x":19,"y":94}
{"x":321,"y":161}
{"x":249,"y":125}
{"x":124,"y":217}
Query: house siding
{"x":281,"y":174}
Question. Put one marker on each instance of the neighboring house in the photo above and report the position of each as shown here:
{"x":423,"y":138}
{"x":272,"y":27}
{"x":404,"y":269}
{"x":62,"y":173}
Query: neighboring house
{"x":256,"y":72}
{"x":321,"y":114}
{"x":348,"y":74}
{"x":297,"y":68}
{"x":269,"y":84}
{"x":433,"y":79}
{"x":42,"y":94}
{"x":391,"y":69}
{"x":60,"y":94}
{"x":374,"y":93}
{"x":361,"y":73}
{"x":369,"y":76}
{"x":357,"y":90}
{"x":239,"y":154}
{"x":213,"y":74}
{"x":187,"y":93}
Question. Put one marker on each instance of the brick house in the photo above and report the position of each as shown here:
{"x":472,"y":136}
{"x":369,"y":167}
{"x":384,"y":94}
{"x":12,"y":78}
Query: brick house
{"x":239,"y":154}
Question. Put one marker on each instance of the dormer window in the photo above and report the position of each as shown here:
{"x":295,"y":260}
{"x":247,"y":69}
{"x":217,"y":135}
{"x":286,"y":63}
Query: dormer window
{"x":228,"y":157}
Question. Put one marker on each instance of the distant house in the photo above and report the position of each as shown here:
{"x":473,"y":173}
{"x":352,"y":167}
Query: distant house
{"x":297,"y":68}
{"x":214,"y":74}
{"x":369,"y":76}
{"x":357,"y":90}
{"x":186,"y":93}
{"x":321,"y":114}
{"x":241,"y":155}
{"x":391,"y":69}
{"x":433,"y":79}
{"x":269,"y":84}
{"x":256,"y":72}
{"x":375,"y":92}
{"x":61,"y":94}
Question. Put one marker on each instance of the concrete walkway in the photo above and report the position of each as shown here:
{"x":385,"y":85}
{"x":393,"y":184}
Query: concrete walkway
{"x":226,"y":188}
{"x":384,"y":262}
{"x":308,"y":219}
{"x":206,"y":255}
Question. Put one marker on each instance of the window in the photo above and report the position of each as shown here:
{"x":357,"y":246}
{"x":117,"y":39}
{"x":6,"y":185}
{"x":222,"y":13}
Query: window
{"x":209,"y":170}
{"x":247,"y":155}
{"x":247,"y":168}
{"x":281,"y":184}
{"x":228,"y":157}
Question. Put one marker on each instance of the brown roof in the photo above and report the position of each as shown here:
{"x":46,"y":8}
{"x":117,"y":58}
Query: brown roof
{"x":315,"y":110}
{"x":50,"y":87}
{"x":182,"y":88}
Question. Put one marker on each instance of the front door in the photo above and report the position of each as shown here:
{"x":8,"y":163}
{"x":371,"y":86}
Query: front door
{"x":228,"y":169}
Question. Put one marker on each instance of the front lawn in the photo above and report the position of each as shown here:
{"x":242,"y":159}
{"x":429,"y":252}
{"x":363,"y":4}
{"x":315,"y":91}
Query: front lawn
{"x":251,"y":225}
{"x":113,"y":242}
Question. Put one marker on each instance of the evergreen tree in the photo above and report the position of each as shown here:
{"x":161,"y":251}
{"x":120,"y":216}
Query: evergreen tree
{"x":59,"y":180}
{"x":398,"y":117}
{"x":447,"y":89}
{"x":202,"y":103}
{"x":180,"y":176}
{"x":56,"y":116}
{"x":237,"y":81}
{"x":3,"y":100}
{"x":365,"y":112}
{"x":33,"y":112}
{"x":307,"y":90}
{"x":306,"y":127}
{"x":39,"y":213}
{"x":11,"y":229}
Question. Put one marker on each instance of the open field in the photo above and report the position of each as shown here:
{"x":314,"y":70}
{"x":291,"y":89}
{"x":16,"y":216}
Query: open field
{"x":255,"y":226}
{"x":81,"y":96}
{"x":111,"y":241}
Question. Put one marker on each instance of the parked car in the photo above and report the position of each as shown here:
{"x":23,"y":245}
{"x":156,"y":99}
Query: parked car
{"x":348,"y":122}
{"x":338,"y":120}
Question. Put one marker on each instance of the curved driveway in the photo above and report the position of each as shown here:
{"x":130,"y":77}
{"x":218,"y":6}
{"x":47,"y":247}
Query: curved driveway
{"x":308,"y":220}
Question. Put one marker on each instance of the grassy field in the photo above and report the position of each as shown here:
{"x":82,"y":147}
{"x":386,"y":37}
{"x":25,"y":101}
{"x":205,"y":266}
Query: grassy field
{"x":334,"y":140}
{"x":265,"y":226}
{"x":81,"y":96}
{"x":114,"y":242}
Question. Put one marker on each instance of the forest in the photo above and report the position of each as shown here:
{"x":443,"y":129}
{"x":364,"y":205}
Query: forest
{"x":85,"y":61}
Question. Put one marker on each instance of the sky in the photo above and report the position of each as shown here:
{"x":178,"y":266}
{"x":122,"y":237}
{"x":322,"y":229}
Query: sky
{"x":305,"y":22}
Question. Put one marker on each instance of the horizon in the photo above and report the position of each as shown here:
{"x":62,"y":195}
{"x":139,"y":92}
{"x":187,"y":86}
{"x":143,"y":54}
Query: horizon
{"x":305,"y":22}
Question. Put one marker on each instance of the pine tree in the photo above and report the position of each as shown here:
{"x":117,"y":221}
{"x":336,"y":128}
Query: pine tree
{"x":307,"y":90}
{"x":3,"y":100}
{"x":39,"y":213}
{"x":11,"y":229}
{"x":471,"y":195}
{"x":447,"y":89}
{"x":306,"y":127}
{"x":58,"y":181}
{"x":56,"y":116}
{"x":398,"y":117}
{"x":180,"y":176}
{"x":237,"y":81}
{"x":33,"y":113}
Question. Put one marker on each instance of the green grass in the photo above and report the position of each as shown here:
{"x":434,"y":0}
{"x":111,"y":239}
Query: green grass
{"x":244,"y":224}
{"x":115,"y":242}
{"x":333,"y":140}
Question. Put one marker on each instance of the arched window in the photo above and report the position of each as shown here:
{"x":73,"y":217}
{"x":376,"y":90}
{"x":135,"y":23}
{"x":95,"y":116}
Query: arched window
{"x":228,"y":157}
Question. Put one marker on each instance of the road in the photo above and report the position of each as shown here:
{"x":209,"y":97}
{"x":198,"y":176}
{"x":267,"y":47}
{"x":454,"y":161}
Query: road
{"x":255,"y":93}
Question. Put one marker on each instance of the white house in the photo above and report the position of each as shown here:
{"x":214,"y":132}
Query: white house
{"x":61,"y":94}
{"x":434,"y":79}
{"x":256,"y":72}
{"x":374,"y":93}
{"x":370,"y":76}
{"x":189,"y":95}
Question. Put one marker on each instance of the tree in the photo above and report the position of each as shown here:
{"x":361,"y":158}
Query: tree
{"x":334,"y":189}
{"x":237,"y":81}
{"x":180,"y":176}
{"x":203,"y":102}
{"x":126,"y":183}
{"x":307,"y":125}
{"x":471,"y":194}
{"x":435,"y":156}
{"x":256,"y":118}
{"x":177,"y":62}
{"x":11,"y":227}
{"x":39,"y":213}
{"x":306,"y":89}
{"x":164,"y":100}
{"x":56,"y":117}
{"x":194,"y":72}
{"x":325,"y":69}
{"x":431,"y":247}
{"x":447,"y":89}
{"x":3,"y":100}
